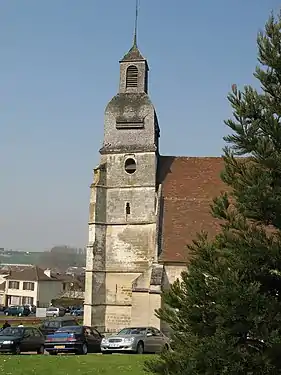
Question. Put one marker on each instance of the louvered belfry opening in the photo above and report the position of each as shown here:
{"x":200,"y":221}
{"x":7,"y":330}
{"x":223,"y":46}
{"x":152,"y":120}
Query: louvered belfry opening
{"x":132,"y":76}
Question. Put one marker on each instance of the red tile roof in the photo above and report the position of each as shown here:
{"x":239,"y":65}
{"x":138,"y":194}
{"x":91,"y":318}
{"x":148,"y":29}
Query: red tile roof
{"x":188,"y":186}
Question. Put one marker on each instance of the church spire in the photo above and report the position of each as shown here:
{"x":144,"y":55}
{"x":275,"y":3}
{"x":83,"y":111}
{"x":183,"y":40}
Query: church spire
{"x":133,"y":66}
{"x":134,"y":53}
{"x":136,"y":23}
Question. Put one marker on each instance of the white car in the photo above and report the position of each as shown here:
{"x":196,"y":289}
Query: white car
{"x":55,"y":312}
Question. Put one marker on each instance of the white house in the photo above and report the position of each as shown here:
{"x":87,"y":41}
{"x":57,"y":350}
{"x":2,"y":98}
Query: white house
{"x":31,"y":286}
{"x":2,"y":291}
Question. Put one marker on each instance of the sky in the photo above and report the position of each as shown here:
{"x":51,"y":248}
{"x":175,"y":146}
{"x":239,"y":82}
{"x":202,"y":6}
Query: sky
{"x":59,"y":68}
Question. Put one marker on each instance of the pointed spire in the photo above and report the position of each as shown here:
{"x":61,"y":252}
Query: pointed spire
{"x":134,"y":53}
{"x":136,"y":23}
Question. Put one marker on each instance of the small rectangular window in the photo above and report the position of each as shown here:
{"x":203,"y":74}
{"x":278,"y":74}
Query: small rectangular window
{"x":28,"y":286}
{"x":27,"y":300}
{"x":14,"y":285}
{"x":128,"y":208}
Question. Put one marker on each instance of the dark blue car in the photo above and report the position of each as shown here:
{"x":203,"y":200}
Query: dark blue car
{"x":77,"y":312}
{"x":74,"y":339}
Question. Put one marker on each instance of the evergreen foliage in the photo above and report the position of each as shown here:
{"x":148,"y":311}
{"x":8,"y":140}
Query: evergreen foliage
{"x":226,"y":310}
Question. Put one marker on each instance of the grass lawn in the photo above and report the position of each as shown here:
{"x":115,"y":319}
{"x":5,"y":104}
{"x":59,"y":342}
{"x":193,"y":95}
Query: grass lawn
{"x":76,"y":365}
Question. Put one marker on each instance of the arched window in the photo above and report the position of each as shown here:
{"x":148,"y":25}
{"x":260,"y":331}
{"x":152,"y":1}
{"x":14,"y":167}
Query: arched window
{"x":132,"y":76}
{"x":128,"y":209}
{"x":130,"y":166}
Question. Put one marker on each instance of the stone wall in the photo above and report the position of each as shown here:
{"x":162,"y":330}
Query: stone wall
{"x":172,"y":272}
{"x":122,"y":222}
{"x":144,"y":305}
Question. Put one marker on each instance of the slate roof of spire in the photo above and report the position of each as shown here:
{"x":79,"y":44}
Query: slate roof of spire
{"x":133,"y":55}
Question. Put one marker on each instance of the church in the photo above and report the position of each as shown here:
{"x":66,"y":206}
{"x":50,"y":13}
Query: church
{"x":144,"y":209}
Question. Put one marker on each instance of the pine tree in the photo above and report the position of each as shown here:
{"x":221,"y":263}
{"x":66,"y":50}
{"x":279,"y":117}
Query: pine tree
{"x":226,"y":309}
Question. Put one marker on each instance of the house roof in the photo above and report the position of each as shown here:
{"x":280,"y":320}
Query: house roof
{"x":30,"y":274}
{"x":69,"y":279}
{"x":189,"y":185}
{"x":64,"y":277}
{"x":4,"y":267}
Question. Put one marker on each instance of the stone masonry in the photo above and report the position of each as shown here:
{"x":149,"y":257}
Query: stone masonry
{"x":122,"y":222}
{"x":144,"y":209}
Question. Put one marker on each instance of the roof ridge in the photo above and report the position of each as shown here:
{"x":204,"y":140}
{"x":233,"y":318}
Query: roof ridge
{"x":191,"y":157}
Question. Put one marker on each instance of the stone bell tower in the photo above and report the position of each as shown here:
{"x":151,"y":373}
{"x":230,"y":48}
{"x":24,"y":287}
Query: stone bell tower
{"x":122,"y":221}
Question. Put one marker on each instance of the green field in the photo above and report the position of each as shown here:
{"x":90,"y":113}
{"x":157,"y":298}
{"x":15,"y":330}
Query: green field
{"x":77,"y":365}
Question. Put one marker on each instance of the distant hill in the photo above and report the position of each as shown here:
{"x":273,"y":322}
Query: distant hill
{"x":61,"y":257}
{"x":20,"y":257}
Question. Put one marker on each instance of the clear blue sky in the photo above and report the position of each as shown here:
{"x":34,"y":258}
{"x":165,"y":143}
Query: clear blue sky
{"x":59,"y":67}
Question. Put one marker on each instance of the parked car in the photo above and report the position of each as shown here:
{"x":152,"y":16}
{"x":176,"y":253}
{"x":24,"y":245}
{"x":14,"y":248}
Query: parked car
{"x":17,"y":311}
{"x":137,"y":340}
{"x":55,"y":311}
{"x":74,"y":339}
{"x":25,"y":339}
{"x":32,"y":308}
{"x":77,"y":312}
{"x":52,"y":325}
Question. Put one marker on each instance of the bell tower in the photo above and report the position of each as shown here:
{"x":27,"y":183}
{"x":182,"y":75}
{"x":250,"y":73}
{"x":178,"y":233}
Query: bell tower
{"x":133,"y":72}
{"x":130,"y":118}
{"x":122,"y":220}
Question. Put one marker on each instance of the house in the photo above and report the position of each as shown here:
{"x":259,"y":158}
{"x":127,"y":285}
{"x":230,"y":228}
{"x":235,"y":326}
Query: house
{"x":2,"y":291}
{"x":73,"y":287}
{"x":78,"y":271}
{"x":144,"y":209}
{"x":31,"y":286}
{"x":3,"y":274}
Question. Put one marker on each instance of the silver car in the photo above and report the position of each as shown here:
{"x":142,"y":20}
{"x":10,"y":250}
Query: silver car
{"x":137,"y":340}
{"x":55,"y":312}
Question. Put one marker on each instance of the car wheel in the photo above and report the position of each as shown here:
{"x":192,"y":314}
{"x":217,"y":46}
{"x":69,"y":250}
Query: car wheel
{"x":17,"y":350}
{"x":6,"y":313}
{"x":20,"y":314}
{"x":41,"y":350}
{"x":165,"y":348}
{"x":84,"y":349}
{"x":140,"y":348}
{"x":55,"y":315}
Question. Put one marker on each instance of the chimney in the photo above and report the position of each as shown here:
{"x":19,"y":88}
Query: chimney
{"x":47,"y":272}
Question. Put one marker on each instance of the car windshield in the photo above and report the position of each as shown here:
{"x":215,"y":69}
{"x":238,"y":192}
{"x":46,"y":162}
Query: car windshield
{"x":132,"y":331}
{"x":74,"y":329}
{"x":51,"y":324}
{"x":12,"y":331}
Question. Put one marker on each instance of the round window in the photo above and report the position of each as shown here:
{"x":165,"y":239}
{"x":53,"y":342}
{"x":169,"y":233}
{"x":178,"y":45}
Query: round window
{"x":130,"y":166}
